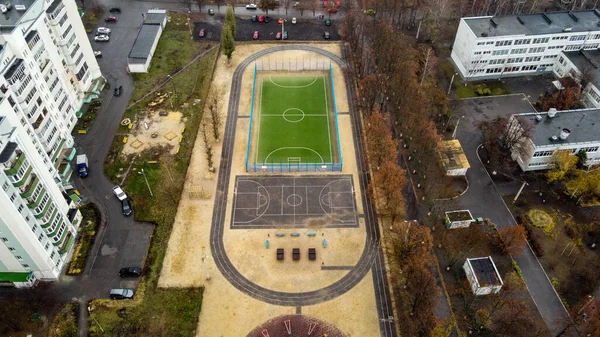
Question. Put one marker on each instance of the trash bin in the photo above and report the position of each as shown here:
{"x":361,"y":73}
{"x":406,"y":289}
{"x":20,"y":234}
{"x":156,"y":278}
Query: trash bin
{"x":479,"y":220}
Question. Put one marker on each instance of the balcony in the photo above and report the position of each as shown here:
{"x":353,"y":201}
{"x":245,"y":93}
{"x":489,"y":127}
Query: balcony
{"x":43,"y":212}
{"x":35,"y":203}
{"x":68,"y":244}
{"x":38,"y":122}
{"x":28,"y":189}
{"x":58,"y":150}
{"x":49,"y":222}
{"x":24,"y":178}
{"x":17,"y":162}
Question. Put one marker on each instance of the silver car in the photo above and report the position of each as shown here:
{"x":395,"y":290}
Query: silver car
{"x":101,"y":38}
{"x":120,"y":294}
{"x":103,"y":31}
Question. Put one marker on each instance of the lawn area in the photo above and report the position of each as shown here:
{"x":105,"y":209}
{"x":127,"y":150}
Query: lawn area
{"x":472,"y":89}
{"x":87,"y":235}
{"x":90,"y":112}
{"x":154,"y":311}
{"x":561,"y":234}
{"x":64,"y":323}
{"x":294,"y":120}
{"x":91,"y":17}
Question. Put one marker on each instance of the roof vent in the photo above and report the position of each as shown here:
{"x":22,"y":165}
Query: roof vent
{"x":8,"y":5}
{"x":538,"y":117}
{"x":484,"y":34}
{"x":3,"y":8}
{"x":552,"y":112}
{"x":520,"y":20}
{"x":554,"y":138}
{"x":20,"y":8}
{"x":494,"y":24}
{"x":567,"y":29}
{"x":573,"y":16}
{"x":564,"y":133}
{"x":546,"y":18}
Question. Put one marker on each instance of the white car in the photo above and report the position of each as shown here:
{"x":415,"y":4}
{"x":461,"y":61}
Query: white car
{"x":101,"y":38}
{"x":103,"y":30}
{"x":251,"y":6}
{"x":97,"y":53}
{"x":119,"y":193}
{"x":294,"y":20}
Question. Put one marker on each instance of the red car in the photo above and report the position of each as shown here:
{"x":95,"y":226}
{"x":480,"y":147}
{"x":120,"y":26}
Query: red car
{"x":261,"y":19}
{"x":202,"y":32}
{"x":110,"y":19}
{"x":255,"y":36}
{"x":278,"y":36}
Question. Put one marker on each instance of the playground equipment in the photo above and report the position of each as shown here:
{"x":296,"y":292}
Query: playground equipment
{"x":324,"y":243}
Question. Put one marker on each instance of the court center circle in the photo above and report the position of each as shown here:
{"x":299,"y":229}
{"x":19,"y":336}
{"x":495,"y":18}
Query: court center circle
{"x":294,"y":200}
{"x":293,"y":115}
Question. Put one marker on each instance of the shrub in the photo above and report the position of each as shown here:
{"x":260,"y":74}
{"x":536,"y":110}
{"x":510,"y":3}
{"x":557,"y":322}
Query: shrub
{"x":487,"y":92}
{"x":536,"y":245}
{"x":517,"y":269}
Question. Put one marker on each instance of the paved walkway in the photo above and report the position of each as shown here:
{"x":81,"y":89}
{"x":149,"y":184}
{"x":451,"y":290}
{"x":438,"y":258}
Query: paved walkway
{"x":484,"y":199}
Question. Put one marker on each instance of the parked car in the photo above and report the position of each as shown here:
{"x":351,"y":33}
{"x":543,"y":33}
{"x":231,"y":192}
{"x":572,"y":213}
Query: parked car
{"x":285,"y":35}
{"x":101,"y":38}
{"x":326,"y":35}
{"x":119,"y":193}
{"x":251,"y":6}
{"x":130,"y":272}
{"x":267,"y":19}
{"x":294,"y":21}
{"x":126,"y":207}
{"x":103,"y":31}
{"x":280,"y":20}
{"x":278,"y":36}
{"x":118,"y":90}
{"x":254,"y":18}
{"x":115,"y":10}
{"x":97,"y":53}
{"x":120,"y":294}
{"x":202,"y":32}
{"x":255,"y":35}
{"x":211,"y":12}
{"x":327,"y":22}
{"x":111,"y":19}
{"x":261,"y":19}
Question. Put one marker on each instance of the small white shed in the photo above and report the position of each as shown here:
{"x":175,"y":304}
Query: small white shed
{"x":483,"y":275}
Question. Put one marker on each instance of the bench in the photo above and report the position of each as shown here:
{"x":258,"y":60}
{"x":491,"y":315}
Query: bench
{"x":312,"y":254}
{"x":296,"y":254}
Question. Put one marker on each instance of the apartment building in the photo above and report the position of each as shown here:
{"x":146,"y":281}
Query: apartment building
{"x":583,"y":66}
{"x":568,"y":130}
{"x":516,"y":45}
{"x":48,"y":71}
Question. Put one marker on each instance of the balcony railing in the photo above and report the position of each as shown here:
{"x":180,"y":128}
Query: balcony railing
{"x":24,"y":178}
{"x":17,"y":163}
{"x":28,"y":189}
{"x":68,"y":244}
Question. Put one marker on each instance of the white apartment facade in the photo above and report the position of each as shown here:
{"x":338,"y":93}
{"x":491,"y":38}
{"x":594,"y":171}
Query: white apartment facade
{"x":48,"y":70}
{"x":575,"y":64}
{"x":568,"y":130}
{"x":498,"y":46}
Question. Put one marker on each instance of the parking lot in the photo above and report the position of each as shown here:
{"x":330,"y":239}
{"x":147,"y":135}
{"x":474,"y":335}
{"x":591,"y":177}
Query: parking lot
{"x":304,"y":30}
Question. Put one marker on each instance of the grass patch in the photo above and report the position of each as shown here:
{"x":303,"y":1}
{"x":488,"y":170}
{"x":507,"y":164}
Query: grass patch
{"x":90,"y":112}
{"x":294,"y":120}
{"x":16,"y":319}
{"x":87,"y":235}
{"x":472,"y":89}
{"x":159,"y":312}
{"x":64,"y":324}
{"x":91,"y":17}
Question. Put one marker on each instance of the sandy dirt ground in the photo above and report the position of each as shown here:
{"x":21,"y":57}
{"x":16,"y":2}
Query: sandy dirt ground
{"x":151,"y":130}
{"x":227,"y":311}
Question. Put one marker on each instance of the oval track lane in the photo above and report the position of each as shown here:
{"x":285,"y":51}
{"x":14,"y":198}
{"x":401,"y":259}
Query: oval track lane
{"x":370,"y":259}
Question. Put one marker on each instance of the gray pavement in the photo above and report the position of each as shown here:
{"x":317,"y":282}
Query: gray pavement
{"x":484,"y":200}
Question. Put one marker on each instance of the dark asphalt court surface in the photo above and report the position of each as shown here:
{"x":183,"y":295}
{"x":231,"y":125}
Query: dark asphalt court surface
{"x":298,"y":202}
{"x":304,"y":30}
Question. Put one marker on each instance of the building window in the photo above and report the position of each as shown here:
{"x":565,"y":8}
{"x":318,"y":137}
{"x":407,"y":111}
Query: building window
{"x":52,"y":255}
{"x":590,"y":149}
{"x":500,"y":52}
{"x":82,"y":71}
{"x":25,"y":265}
{"x":18,"y":257}
{"x":577,"y":38}
{"x":522,"y":41}
{"x":526,"y":68}
{"x":67,"y":31}
{"x":511,"y":69}
{"x":4,"y":239}
{"x":519,"y":51}
{"x":500,"y":61}
{"x":537,"y":50}
{"x":30,"y":95}
{"x":40,"y":237}
{"x":63,"y":20}
{"x":541,"y":40}
{"x":13,"y":197}
{"x":20,"y":209}
{"x":515,"y":60}
{"x":503,"y":43}
{"x":543,"y":153}
{"x":34,"y":228}
{"x":560,"y":38}
{"x":5,"y":186}
{"x":12,"y":249}
{"x":533,"y":58}
{"x":47,"y":246}
{"x":574,"y":47}
{"x":493,"y":70}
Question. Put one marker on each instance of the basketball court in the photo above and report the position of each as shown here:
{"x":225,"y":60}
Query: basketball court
{"x":294,"y":202}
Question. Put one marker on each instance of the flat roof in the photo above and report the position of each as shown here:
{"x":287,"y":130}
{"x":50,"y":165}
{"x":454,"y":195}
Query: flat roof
{"x":143,"y":42}
{"x":452,"y":155}
{"x":155,"y":18}
{"x":485,"y":270}
{"x":583,"y":124}
{"x":587,"y":60}
{"x":535,"y":23}
{"x":12,"y":17}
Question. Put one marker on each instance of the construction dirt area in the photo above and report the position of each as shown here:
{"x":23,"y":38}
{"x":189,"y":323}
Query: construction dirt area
{"x":226,"y":310}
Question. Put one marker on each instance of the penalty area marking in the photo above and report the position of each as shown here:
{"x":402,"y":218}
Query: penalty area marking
{"x":294,"y":147}
{"x":294,"y":86}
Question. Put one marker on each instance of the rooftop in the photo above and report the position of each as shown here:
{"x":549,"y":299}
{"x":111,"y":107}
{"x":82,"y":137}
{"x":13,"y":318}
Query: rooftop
{"x":486,"y":272}
{"x":143,"y":42}
{"x":587,"y":60}
{"x":535,"y":24}
{"x":155,"y":18}
{"x":12,"y":16}
{"x":583,"y":124}
{"x":452,"y":155}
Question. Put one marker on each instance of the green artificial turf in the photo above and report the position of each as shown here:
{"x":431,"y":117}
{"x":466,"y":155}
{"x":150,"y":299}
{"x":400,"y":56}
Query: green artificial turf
{"x":294,"y":123}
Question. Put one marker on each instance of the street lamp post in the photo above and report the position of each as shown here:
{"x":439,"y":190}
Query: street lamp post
{"x":148,"y":184}
{"x":451,"y":81}
{"x":173,"y":82}
{"x":204,"y":267}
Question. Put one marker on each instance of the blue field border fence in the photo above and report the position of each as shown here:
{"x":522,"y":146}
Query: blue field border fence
{"x":251,"y":118}
{"x":284,"y":165}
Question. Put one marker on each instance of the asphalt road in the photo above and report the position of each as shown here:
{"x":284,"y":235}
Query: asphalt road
{"x":303,"y":30}
{"x":483,"y":199}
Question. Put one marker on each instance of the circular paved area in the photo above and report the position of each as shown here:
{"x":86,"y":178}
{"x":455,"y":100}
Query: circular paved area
{"x":295,"y":325}
{"x":219,"y":253}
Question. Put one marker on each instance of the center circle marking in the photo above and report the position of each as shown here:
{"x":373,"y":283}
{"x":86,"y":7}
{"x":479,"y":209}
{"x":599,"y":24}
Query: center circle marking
{"x":294,"y":200}
{"x":293,"y":117}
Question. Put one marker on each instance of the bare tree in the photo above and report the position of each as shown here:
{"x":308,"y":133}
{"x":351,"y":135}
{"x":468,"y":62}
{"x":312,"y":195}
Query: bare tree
{"x":587,"y":74}
{"x":199,"y":3}
{"x":219,"y":3}
{"x":286,"y":5}
{"x":206,"y":144}
{"x":213,"y":105}
{"x":503,"y":138}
